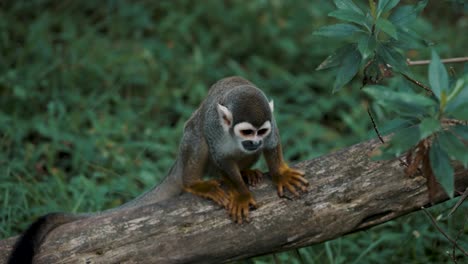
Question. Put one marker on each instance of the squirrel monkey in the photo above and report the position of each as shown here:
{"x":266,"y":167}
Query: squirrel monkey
{"x":224,"y":137}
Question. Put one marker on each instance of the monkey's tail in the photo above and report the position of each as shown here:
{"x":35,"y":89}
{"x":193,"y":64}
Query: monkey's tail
{"x":170,"y":187}
{"x":28,"y":244}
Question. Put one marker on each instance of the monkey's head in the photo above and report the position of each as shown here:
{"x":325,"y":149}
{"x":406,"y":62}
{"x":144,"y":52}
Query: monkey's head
{"x":246,"y":115}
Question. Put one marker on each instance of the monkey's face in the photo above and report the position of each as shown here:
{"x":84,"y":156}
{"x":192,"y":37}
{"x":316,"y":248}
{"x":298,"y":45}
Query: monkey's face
{"x":250,"y":138}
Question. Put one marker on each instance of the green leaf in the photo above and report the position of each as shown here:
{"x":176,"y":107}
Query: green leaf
{"x":337,"y":30}
{"x":408,"y":39}
{"x":387,"y":27}
{"x":460,"y":130}
{"x":461,"y":112}
{"x":406,"y":14}
{"x":438,"y":77}
{"x":385,"y":5}
{"x":403,"y":140}
{"x":393,"y":57}
{"x":428,"y":127}
{"x":405,"y":103}
{"x":367,"y":45}
{"x":454,"y":147}
{"x":440,"y":164}
{"x":350,"y":16}
{"x":348,"y":5}
{"x":458,"y":94}
{"x":395,"y":125}
{"x":336,"y":58}
{"x":348,"y":69}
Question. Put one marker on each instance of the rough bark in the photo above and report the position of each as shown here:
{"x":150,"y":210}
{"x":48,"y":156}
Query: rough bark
{"x":348,"y":192}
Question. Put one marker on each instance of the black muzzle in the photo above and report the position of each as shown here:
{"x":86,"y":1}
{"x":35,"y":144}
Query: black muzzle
{"x":251,"y":145}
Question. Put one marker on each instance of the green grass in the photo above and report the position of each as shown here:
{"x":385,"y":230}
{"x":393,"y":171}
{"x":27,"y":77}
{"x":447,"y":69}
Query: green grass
{"x":94,"y":95}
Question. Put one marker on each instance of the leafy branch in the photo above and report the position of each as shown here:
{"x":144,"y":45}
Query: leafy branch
{"x":432,"y":128}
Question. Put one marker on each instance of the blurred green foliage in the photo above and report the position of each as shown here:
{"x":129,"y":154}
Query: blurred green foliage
{"x":94,"y":95}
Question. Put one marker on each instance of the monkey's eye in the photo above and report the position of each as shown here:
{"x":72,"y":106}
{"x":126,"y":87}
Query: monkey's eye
{"x":247,"y":132}
{"x":262,"y":131}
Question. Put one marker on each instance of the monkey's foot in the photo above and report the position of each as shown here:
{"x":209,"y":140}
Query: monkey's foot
{"x":252,"y":177}
{"x":210,"y":189}
{"x":239,"y":206}
{"x":290,"y":179}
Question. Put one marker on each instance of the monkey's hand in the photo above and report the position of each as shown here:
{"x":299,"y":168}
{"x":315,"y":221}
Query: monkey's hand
{"x":239,"y":206}
{"x":252,"y":177}
{"x":210,"y":189}
{"x":290,"y":178}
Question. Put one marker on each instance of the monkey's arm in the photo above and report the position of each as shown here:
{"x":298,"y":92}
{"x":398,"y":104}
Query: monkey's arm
{"x":283,"y":175}
{"x":240,"y":198}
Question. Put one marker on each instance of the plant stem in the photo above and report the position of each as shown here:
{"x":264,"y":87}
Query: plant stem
{"x":434,"y":222}
{"x":425,"y":62}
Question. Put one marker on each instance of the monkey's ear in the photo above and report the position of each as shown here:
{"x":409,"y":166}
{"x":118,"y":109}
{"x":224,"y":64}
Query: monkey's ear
{"x":272,"y":105}
{"x":225,"y":116}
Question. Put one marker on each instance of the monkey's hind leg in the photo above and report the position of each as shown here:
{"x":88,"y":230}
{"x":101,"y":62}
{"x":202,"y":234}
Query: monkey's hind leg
{"x":252,"y":176}
{"x":209,"y":189}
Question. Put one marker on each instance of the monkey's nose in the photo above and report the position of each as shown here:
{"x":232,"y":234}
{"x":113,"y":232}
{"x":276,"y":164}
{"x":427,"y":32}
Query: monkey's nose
{"x":251,"y":145}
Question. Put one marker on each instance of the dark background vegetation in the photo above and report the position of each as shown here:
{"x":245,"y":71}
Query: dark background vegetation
{"x":94,"y":95}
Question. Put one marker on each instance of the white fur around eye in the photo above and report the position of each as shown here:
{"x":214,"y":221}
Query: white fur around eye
{"x":243,"y":126}
{"x":267,"y":126}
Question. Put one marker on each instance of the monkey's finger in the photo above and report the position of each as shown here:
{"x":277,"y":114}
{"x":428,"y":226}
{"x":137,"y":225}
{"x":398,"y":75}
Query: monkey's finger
{"x":220,"y":198}
{"x":299,"y":184}
{"x":292,"y":189}
{"x":299,"y":172}
{"x":233,"y":207}
{"x":217,"y":200}
{"x":228,"y":201}
{"x":295,"y":174}
{"x":223,"y":202}
{"x":280,"y":190}
{"x":253,"y":180}
{"x":254,"y":177}
{"x":302,"y":179}
{"x":232,"y":212}
{"x":253,"y":204}
{"x":296,"y":183}
{"x":249,"y":180}
{"x":259,"y":176}
{"x":258,"y":180}
{"x":245,"y":211}
{"x":217,"y":197}
{"x":239,"y":215}
{"x":225,"y":198}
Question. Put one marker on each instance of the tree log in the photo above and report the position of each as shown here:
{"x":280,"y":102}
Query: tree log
{"x":348,"y":192}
